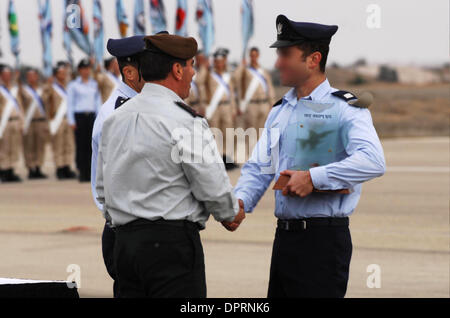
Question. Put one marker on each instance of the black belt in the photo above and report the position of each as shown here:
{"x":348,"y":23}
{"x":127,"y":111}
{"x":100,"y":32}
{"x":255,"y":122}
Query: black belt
{"x":303,"y":224}
{"x":145,"y":222}
{"x":225,"y":102}
{"x":38,"y":120}
{"x":13,"y":118}
{"x":259,"y":101}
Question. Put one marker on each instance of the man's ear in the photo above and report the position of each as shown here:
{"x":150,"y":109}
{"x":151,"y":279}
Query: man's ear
{"x":315,"y":59}
{"x":177,"y":71}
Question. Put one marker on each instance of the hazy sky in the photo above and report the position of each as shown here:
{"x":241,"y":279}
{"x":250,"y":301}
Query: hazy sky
{"x":411,"y":31}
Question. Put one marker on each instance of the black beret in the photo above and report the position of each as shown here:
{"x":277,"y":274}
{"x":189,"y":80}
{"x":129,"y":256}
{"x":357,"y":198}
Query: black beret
{"x":290,"y":33}
{"x":126,"y":47}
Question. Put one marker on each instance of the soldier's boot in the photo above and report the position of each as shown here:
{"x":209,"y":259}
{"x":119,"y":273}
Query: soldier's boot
{"x":68,"y":173}
{"x":39,"y":174}
{"x":31,"y":174}
{"x":11,"y":177}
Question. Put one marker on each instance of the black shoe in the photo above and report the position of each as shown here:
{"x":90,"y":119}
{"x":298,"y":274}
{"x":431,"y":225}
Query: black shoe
{"x":39,"y":174}
{"x":31,"y":174}
{"x":68,"y":173}
{"x":60,"y":174}
{"x":2,"y":173}
{"x":11,"y":177}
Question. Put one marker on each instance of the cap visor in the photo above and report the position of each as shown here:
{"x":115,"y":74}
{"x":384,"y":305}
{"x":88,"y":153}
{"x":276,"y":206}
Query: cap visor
{"x":279,"y":44}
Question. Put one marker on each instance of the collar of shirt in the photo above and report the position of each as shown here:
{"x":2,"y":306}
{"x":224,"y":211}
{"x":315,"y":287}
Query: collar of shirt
{"x":89,"y":82}
{"x":125,"y":90}
{"x":317,"y":94}
{"x":159,"y":90}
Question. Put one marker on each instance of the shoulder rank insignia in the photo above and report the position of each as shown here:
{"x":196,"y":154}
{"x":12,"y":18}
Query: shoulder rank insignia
{"x":189,"y":109}
{"x":364,"y":101}
{"x":120,"y":101}
{"x":278,"y":103}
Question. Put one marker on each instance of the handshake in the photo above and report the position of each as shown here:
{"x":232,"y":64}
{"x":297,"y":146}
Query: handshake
{"x":233,"y":226}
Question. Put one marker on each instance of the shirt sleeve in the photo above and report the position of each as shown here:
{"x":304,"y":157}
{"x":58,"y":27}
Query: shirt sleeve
{"x":99,"y":185}
{"x":365,"y":159}
{"x":71,"y":100}
{"x":96,"y":135}
{"x":205,"y":171}
{"x":254,"y":179}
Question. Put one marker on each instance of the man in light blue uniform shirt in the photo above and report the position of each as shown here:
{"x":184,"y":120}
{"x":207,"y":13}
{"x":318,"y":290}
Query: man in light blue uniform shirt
{"x":83,"y":103}
{"x":127,"y":52}
{"x":325,"y":142}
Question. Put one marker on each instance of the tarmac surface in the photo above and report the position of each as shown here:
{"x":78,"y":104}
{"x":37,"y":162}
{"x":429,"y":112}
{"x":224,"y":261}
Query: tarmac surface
{"x":401,"y":226}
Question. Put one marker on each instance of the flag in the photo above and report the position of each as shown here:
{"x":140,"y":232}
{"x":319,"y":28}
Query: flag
{"x":139,"y":17}
{"x":247,"y":23}
{"x":122,"y":18}
{"x":157,"y":16}
{"x":205,"y":22}
{"x":14,"y":31}
{"x":98,"y":32}
{"x":45,"y":19}
{"x":181,"y":21}
{"x":67,"y":41}
{"x":77,"y":26}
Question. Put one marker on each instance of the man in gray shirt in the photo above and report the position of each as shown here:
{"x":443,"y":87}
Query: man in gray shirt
{"x":160,"y":176}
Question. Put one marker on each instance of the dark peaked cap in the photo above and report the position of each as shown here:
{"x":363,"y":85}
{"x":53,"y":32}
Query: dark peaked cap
{"x":291,"y":33}
{"x":126,"y":47}
{"x":173,"y":45}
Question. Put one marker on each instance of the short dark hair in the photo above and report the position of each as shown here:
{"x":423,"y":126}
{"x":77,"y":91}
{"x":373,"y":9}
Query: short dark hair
{"x":107,"y":62}
{"x":254,"y":49}
{"x":155,"y":65}
{"x":128,"y":61}
{"x":310,"y":47}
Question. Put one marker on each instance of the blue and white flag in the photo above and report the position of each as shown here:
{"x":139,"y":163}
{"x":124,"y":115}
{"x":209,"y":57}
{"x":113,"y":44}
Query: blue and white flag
{"x":14,"y":31}
{"x":181,"y":18}
{"x":67,"y":40}
{"x":139,"y":17}
{"x":157,"y":16}
{"x":122,"y":18}
{"x":247,"y":23}
{"x":205,"y":21}
{"x":45,"y":18}
{"x":77,"y":25}
{"x":98,"y":32}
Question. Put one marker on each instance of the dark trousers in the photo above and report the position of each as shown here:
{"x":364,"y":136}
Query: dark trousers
{"x":310,"y":263}
{"x":83,"y":141}
{"x":108,"y":241}
{"x":161,"y":259}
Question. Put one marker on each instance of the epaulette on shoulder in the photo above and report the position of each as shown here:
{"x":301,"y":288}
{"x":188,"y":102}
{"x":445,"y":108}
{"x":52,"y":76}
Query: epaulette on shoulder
{"x":364,"y":101}
{"x":120,"y":101}
{"x":278,"y":103}
{"x":189,"y":109}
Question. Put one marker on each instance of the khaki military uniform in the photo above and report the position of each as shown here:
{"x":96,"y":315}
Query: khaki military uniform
{"x":226,"y":110}
{"x":261,"y":102}
{"x":106,"y":84}
{"x":63,"y":141}
{"x":11,"y":141}
{"x":36,"y":137}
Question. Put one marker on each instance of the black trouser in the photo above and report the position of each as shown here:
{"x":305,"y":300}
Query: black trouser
{"x":160,"y":259}
{"x":83,"y":141}
{"x":108,"y":241}
{"x":312,"y":260}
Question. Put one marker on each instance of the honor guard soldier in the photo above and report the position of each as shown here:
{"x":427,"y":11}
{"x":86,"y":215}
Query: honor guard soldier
{"x":35,"y":129}
{"x":221,"y":107}
{"x":54,"y":97}
{"x":83,"y":101}
{"x":11,"y":121}
{"x":255,"y":91}
{"x":325,"y":142}
{"x":109,"y":80}
{"x":126,"y":51}
{"x":156,"y":189}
